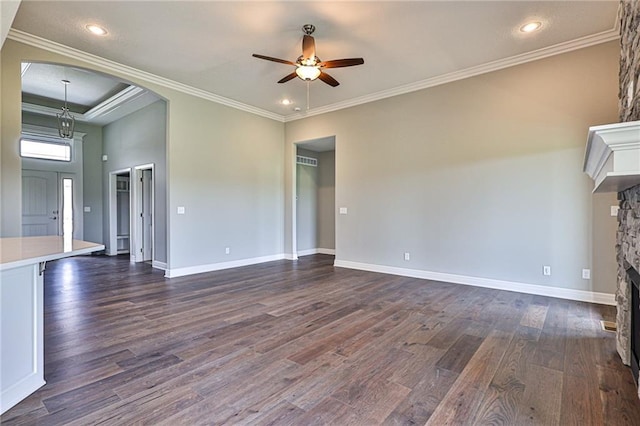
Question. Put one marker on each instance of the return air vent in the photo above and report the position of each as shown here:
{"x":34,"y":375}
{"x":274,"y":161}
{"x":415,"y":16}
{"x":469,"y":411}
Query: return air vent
{"x":307,"y":161}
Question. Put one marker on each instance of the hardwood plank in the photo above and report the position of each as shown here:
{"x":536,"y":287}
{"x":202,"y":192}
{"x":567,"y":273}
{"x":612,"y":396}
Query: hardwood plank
{"x":618,"y":394}
{"x":534,"y":316}
{"x":504,"y":394}
{"x":424,"y":398}
{"x":464,"y":398}
{"x":459,"y":354}
{"x":542,"y":399}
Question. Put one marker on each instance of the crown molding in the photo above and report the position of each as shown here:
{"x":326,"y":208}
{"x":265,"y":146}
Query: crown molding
{"x":557,"y":49}
{"x":115,"y":67}
{"x":129,"y":94}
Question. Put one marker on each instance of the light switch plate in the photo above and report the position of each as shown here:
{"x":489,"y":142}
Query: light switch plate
{"x":614,"y":210}
{"x":181,"y":210}
{"x":343,"y":210}
{"x":87,"y":209}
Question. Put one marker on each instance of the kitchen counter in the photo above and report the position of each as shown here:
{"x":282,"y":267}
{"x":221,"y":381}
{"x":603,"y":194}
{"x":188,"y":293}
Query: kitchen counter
{"x":22,"y":262}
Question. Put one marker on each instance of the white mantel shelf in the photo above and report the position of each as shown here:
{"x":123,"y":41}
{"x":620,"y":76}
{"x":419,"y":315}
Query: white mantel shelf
{"x":612,"y":157}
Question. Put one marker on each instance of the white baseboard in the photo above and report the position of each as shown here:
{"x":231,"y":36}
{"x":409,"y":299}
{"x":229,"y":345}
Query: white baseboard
{"x":561,"y":293}
{"x":291,"y":256}
{"x":316,"y":251}
{"x":327,"y":251}
{"x":19,"y":391}
{"x":159,"y":265}
{"x":190,"y":270}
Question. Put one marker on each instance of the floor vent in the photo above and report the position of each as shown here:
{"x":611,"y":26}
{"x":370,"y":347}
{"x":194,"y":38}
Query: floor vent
{"x":608,"y":326}
{"x":306,"y":161}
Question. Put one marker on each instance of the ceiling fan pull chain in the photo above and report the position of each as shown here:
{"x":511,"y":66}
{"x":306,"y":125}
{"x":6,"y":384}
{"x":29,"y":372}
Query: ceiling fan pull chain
{"x":308,"y":95}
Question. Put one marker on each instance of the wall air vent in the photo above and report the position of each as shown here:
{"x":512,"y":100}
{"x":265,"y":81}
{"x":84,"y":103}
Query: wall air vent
{"x":307,"y":161}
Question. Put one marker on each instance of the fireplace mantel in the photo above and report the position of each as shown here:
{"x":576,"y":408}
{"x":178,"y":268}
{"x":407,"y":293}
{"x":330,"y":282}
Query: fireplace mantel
{"x":612,"y":157}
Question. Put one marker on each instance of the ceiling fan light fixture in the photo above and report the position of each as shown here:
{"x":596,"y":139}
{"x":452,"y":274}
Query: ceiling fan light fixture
{"x":308,"y":73}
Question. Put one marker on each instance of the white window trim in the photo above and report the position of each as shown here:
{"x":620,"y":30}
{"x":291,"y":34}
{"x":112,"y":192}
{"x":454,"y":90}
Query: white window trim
{"x":47,"y":134}
{"x":50,"y":135}
{"x":35,"y":155}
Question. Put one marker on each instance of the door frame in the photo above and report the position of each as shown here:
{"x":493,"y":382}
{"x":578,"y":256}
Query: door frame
{"x":137,"y":242}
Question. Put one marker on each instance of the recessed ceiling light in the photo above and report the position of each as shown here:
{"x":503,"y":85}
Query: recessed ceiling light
{"x":531,"y":27}
{"x":96,"y":29}
{"x":285,"y":102}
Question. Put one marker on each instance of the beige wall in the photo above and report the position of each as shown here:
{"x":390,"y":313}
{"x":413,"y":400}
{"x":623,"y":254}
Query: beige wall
{"x":224,"y":166}
{"x":480,"y":177}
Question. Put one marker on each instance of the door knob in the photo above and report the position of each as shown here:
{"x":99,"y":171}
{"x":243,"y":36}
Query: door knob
{"x":54,"y":218}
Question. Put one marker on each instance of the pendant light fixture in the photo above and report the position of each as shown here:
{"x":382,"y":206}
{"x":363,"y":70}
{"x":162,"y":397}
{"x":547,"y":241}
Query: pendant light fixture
{"x":66,"y":122}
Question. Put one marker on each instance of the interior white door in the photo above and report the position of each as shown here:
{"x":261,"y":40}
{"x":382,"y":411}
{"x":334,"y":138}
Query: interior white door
{"x":147,"y":218}
{"x":40,"y":211}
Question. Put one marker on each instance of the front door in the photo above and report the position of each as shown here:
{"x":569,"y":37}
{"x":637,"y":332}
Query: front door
{"x":39,"y":203}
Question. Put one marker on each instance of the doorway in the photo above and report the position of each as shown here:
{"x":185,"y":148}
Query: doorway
{"x":119,"y":212}
{"x":131,"y":207}
{"x":314,"y":213}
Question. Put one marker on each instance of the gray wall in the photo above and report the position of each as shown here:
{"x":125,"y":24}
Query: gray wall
{"x":136,"y":139}
{"x":481,"y":177}
{"x":326,"y":226}
{"x":90,"y":173}
{"x":307,"y":203}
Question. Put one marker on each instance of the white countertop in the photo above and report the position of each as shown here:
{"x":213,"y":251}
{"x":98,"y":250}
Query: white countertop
{"x":22,"y":251}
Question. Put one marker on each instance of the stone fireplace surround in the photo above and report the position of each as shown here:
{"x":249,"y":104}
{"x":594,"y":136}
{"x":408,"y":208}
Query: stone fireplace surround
{"x":628,"y":235}
{"x":628,"y":255}
{"x":624,"y":177}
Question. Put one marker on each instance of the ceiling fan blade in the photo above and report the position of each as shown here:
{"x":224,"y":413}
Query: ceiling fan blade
{"x":328,"y":79}
{"x":269,"y":58}
{"x":339,"y":63}
{"x":288,"y":77}
{"x":308,"y":47}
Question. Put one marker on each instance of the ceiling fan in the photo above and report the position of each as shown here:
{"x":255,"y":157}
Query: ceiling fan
{"x":308,"y":65}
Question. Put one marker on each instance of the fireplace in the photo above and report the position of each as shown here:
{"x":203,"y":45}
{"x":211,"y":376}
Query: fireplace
{"x":635,"y":321}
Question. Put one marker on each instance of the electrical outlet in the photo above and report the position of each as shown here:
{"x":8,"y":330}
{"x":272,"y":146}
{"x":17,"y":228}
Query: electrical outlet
{"x":227,"y":250}
{"x":407,"y":256}
{"x":546,"y":270}
{"x":586,"y":274}
{"x":614,"y":210}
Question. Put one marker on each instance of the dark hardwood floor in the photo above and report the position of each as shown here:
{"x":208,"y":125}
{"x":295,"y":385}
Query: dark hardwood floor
{"x":305,"y":343}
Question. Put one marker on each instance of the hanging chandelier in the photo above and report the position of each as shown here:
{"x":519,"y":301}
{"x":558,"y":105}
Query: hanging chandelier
{"x":66,"y":122}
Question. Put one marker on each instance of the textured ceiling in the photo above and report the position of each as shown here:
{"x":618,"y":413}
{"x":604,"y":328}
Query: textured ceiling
{"x":208,"y":45}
